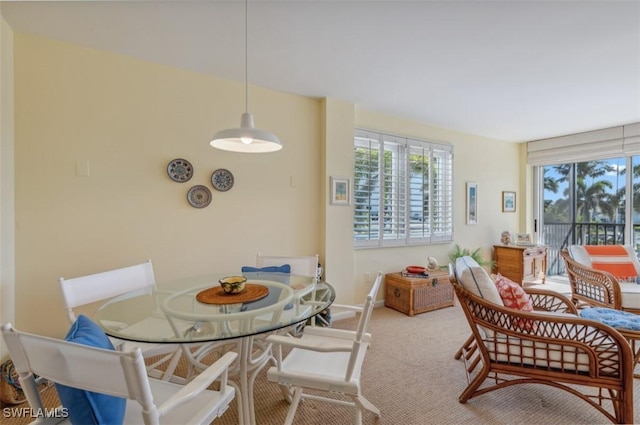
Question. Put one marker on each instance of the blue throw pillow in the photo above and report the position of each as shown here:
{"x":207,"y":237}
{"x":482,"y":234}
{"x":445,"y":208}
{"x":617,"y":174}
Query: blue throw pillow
{"x":87,"y":407}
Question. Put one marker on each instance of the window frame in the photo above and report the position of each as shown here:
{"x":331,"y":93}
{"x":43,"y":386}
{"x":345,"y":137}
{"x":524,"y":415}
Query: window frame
{"x":384,"y":188}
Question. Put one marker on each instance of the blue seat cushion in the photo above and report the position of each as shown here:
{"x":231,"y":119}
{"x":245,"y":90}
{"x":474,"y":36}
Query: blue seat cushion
{"x":617,"y":319}
{"x":87,"y":407}
{"x":285,"y":268}
{"x":275,"y":273}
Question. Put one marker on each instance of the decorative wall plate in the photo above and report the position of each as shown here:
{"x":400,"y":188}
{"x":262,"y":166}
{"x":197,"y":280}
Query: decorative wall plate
{"x":222,"y":180}
{"x":199,"y":196}
{"x":180,"y":170}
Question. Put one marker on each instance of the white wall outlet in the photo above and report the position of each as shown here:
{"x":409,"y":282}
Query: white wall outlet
{"x":367,"y":277}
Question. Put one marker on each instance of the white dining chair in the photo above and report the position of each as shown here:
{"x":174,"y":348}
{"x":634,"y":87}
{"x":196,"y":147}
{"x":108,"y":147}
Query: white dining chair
{"x":325,"y":360}
{"x":126,"y":281}
{"x":301,"y":266}
{"x":92,"y":383}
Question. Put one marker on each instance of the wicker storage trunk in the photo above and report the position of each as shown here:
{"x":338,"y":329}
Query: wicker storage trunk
{"x":412,"y":295}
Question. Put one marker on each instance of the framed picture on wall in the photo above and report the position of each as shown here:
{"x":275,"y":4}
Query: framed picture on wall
{"x":472,"y":203}
{"x":340,"y":191}
{"x":508,"y":201}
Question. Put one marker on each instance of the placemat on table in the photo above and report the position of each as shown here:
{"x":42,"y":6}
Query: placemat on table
{"x":216,"y":295}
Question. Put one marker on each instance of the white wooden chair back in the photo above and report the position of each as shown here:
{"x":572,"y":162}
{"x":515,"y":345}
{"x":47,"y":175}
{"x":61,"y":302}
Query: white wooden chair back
{"x":117,"y":373}
{"x":304,"y":266}
{"x":361,"y":335}
{"x":100,"y":286}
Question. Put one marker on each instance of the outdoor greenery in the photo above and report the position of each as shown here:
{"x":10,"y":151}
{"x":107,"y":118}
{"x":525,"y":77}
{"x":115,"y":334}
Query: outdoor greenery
{"x":595,"y":199}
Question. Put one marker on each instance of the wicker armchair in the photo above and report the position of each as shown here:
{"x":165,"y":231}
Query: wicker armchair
{"x":598,"y":288}
{"x":583,"y":357}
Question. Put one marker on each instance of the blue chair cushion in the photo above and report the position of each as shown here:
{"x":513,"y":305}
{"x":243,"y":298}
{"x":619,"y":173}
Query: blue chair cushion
{"x":87,"y":407}
{"x":275,"y":273}
{"x":617,"y":319}
{"x":285,"y":268}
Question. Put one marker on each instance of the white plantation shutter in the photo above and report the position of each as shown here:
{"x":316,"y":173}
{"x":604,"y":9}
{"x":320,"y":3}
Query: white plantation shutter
{"x":366,"y":192}
{"x":403,"y":191}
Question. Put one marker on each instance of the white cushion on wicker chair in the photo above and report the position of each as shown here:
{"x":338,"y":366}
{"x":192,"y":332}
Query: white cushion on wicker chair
{"x":476,"y":280}
{"x":630,"y":295}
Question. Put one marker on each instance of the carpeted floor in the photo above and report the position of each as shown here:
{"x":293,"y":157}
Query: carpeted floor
{"x":411,"y":376}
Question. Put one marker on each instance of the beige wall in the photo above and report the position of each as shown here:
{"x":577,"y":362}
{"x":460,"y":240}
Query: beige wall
{"x":125,"y":119}
{"x":493,"y":165}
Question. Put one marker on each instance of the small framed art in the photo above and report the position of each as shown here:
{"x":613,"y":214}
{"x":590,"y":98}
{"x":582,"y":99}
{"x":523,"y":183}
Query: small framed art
{"x":472,"y":203}
{"x":340,"y":191}
{"x":508,"y":201}
{"x":523,"y":239}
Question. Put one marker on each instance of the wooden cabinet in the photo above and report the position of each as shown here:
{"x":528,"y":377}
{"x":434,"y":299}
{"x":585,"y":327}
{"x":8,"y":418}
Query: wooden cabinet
{"x":521,"y":263}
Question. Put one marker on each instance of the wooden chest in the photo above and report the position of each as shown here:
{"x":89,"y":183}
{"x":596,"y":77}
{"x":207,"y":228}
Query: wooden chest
{"x":413,"y":295}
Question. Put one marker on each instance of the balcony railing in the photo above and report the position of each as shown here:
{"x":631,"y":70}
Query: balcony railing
{"x":557,"y":236}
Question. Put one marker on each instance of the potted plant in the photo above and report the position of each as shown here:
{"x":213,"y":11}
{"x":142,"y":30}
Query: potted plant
{"x":462,"y":252}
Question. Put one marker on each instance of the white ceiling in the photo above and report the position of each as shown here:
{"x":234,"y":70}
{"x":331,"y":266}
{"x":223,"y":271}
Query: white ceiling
{"x":511,"y":70}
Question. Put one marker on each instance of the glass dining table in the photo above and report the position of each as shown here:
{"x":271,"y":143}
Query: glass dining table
{"x":197,"y":316}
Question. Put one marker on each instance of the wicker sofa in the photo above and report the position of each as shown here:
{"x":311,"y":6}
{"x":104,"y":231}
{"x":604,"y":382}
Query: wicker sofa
{"x":553,"y":347}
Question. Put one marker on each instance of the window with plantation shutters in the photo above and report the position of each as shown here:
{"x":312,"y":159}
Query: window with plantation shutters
{"x":402,"y":191}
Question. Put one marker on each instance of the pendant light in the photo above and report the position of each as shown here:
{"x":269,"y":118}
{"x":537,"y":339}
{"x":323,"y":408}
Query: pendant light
{"x":247,"y":138}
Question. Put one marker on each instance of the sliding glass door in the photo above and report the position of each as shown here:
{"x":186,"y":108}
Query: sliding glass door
{"x":586,"y":203}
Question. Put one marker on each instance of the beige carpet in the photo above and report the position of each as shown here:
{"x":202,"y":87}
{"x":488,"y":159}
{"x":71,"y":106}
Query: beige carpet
{"x":411,"y":376}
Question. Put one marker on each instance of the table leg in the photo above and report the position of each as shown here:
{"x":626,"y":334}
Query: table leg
{"x":243,"y":364}
{"x":245,"y":369}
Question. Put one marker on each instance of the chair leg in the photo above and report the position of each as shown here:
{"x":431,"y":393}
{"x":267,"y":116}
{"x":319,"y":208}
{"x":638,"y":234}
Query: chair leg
{"x":466,"y":345}
{"x":297,"y":394}
{"x":287,"y":393}
{"x":358,"y":417}
{"x":363,"y":403}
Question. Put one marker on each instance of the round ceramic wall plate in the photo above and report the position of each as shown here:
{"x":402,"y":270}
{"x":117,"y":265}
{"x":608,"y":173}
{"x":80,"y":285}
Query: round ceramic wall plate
{"x":222,"y":180}
{"x":199,"y":196}
{"x":180,"y":170}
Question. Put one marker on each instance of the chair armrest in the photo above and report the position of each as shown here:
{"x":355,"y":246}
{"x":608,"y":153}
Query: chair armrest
{"x":348,"y":307}
{"x":200,"y":382}
{"x":313,"y":344}
{"x":334,"y":333}
{"x":545,"y":300}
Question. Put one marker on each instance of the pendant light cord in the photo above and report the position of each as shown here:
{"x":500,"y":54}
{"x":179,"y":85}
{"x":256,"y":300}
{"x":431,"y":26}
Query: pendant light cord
{"x":246,"y":56}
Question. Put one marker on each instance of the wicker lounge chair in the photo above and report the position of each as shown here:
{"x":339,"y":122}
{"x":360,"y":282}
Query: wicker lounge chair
{"x":583,"y":357}
{"x":599,"y":288}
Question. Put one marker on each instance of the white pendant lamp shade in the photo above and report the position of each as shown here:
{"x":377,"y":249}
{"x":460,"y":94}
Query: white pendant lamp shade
{"x":246,"y":139}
